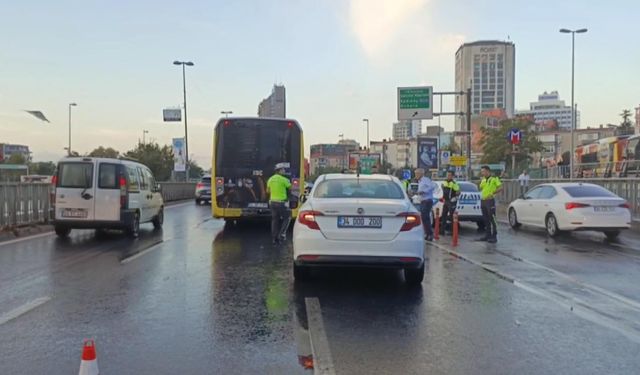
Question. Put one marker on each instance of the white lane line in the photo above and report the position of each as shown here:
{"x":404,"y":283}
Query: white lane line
{"x":322,"y":359}
{"x":26,"y":238}
{"x":23,"y":309}
{"x":143,"y":252}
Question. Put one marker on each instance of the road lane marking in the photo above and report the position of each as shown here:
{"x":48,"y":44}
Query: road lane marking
{"x":322,"y":359}
{"x":32,"y":237}
{"x":21,"y":310}
{"x":149,"y":249}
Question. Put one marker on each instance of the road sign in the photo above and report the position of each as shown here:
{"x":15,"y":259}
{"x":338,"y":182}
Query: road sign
{"x":406,"y":174}
{"x":445,"y":157}
{"x":458,"y":160}
{"x":172,"y":114}
{"x":415,"y":103}
{"x":514,"y":136}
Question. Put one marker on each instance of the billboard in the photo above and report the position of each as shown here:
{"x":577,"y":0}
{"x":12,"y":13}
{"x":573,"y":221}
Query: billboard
{"x":428,"y":153}
{"x":179,"y":157}
{"x":369,"y":163}
{"x":172,"y":115}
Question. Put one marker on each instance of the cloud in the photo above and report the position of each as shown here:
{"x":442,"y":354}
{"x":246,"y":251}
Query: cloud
{"x":376,"y":22}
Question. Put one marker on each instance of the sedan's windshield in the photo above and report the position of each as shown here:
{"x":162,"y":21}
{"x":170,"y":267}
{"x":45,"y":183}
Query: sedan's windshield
{"x":355,"y":188}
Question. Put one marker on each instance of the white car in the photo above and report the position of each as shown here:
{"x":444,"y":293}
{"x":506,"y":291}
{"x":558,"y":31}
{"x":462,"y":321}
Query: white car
{"x":571,"y":206}
{"x":359,"y":221}
{"x":102,"y":193}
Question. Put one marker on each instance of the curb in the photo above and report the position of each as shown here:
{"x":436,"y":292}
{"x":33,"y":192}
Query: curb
{"x":26,"y":231}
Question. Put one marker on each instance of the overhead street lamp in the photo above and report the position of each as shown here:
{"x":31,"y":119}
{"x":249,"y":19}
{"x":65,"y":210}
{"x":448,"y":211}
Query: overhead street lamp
{"x":368,"y":144}
{"x":573,"y":106}
{"x":184,"y":90}
{"x":226,"y":113}
{"x":69,"y":147}
{"x":144,"y":133}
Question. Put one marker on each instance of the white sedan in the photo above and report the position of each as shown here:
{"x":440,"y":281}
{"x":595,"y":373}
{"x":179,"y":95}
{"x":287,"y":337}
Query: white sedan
{"x":571,"y":206}
{"x":359,"y":221}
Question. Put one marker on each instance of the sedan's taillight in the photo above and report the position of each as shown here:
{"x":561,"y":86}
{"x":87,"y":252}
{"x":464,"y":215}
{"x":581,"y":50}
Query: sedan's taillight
{"x":308,"y":218}
{"x":572,"y":205}
{"x":411,"y":220}
{"x":625,"y":205}
{"x":199,"y":185}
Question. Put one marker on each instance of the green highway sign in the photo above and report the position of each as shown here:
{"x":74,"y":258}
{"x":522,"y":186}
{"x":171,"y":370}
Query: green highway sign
{"x":415,"y":103}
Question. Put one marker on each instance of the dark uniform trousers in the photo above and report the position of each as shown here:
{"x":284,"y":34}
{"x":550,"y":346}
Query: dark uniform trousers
{"x":280,"y":218}
{"x":448,"y":208}
{"x":489,"y":216}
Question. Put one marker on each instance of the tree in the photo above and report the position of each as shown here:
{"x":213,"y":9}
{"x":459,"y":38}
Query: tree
{"x":102,"y":152}
{"x":452,"y":147}
{"x":16,"y":159}
{"x":45,"y":168}
{"x":158,"y":159}
{"x":195,"y":171}
{"x":497,"y":148}
{"x":626,"y":126}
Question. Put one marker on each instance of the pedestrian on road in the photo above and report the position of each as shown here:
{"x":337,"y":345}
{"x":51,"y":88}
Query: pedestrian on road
{"x":450,"y":193}
{"x":489,"y":187}
{"x":278,"y":187}
{"x":425,"y":192}
{"x":524,"y":182}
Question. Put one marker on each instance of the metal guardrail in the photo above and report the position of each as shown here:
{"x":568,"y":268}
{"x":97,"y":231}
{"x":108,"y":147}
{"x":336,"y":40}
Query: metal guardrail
{"x":627,"y":188}
{"x":29,"y":203}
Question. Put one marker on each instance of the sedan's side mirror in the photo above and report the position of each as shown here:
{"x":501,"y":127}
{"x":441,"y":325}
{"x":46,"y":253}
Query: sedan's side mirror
{"x":158,"y":188}
{"x":303,"y":198}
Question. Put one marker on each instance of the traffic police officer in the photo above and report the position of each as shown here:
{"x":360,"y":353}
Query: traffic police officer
{"x":489,"y":187}
{"x":450,"y":192}
{"x":278,"y":189}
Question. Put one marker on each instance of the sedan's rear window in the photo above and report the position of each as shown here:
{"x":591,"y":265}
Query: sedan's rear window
{"x":354,"y":188}
{"x":75,"y":175}
{"x":468,"y":187}
{"x":206,"y":180}
{"x":588,"y":191}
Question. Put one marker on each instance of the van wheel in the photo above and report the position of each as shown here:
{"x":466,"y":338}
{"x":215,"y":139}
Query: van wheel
{"x":62,"y":232}
{"x":612,"y":235}
{"x":134,"y":228}
{"x":414,"y":276}
{"x":159,"y":219}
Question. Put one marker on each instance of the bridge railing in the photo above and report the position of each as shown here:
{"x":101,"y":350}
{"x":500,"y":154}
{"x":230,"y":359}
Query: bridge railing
{"x":29,"y":203}
{"x":627,"y":188}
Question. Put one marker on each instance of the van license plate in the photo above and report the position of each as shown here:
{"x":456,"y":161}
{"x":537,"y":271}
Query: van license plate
{"x":359,"y":222}
{"x":76,"y":213}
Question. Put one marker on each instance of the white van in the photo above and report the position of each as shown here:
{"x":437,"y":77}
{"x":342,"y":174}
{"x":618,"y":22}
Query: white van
{"x":101,"y":193}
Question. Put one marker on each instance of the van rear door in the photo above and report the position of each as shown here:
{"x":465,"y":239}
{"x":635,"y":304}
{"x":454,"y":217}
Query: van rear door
{"x":107,"y":200}
{"x":75,"y":191}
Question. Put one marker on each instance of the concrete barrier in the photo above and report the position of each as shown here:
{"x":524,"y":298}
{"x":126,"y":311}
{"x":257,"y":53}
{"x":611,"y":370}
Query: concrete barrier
{"x":29,"y":203}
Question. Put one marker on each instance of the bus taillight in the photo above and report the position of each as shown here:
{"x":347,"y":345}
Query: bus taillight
{"x":219,"y":185}
{"x":296,"y":184}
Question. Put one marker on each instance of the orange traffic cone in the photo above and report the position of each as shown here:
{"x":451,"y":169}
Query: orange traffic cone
{"x":89,"y":362}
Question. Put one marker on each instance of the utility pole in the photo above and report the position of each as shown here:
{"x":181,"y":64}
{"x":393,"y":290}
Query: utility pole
{"x":144,"y":133}
{"x":69,"y":148}
{"x":469,"y":133}
{"x":186,"y":138}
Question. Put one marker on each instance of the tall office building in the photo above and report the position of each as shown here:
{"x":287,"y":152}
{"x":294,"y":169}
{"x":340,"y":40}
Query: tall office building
{"x":549,"y":107}
{"x":488,"y":69}
{"x":406,"y":129}
{"x":275,"y":105}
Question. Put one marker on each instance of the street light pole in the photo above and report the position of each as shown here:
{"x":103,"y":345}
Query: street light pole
{"x":144,"y":132}
{"x":368,"y":144}
{"x":184,"y":91}
{"x":226,"y":113}
{"x":573,"y":107}
{"x":69,"y":147}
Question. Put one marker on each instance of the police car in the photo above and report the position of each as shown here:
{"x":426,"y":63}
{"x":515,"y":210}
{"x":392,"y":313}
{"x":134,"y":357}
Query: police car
{"x":468,"y":206}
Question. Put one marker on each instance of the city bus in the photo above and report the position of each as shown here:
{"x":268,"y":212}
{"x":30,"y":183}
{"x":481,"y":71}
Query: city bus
{"x":245,"y":152}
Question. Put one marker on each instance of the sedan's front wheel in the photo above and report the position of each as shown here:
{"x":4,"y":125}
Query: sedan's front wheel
{"x":414,"y":276}
{"x":513,"y":219}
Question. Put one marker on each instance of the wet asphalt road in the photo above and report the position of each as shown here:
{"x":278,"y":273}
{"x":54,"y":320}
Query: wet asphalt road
{"x":196,"y":298}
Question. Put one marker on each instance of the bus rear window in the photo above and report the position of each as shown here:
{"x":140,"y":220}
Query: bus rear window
{"x":75,"y":175}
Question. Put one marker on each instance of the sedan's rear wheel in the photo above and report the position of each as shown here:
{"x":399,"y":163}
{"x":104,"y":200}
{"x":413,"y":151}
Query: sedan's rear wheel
{"x":301,"y":273}
{"x":552,"y":226}
{"x":513,"y":219}
{"x":414,"y":276}
{"x":612,"y":234}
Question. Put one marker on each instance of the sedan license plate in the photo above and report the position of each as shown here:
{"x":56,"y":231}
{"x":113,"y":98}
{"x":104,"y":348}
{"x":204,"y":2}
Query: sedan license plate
{"x":76,"y":213}
{"x":359,"y":222}
{"x":603,"y":209}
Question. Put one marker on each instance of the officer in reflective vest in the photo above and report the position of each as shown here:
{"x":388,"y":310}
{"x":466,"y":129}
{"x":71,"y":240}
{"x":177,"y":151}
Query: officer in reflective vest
{"x":278,"y":187}
{"x":489,"y":187}
{"x":450,"y":193}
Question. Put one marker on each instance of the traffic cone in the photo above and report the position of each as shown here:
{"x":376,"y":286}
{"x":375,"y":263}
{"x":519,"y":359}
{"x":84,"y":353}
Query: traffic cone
{"x":89,"y":362}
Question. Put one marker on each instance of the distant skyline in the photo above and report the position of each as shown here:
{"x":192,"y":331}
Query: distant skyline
{"x":340,"y":61}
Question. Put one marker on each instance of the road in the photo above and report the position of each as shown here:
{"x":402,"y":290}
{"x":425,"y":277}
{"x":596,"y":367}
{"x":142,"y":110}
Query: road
{"x":196,"y":298}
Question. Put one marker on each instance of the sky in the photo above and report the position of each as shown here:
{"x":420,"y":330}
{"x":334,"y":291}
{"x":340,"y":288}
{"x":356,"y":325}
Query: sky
{"x":340,"y":60}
